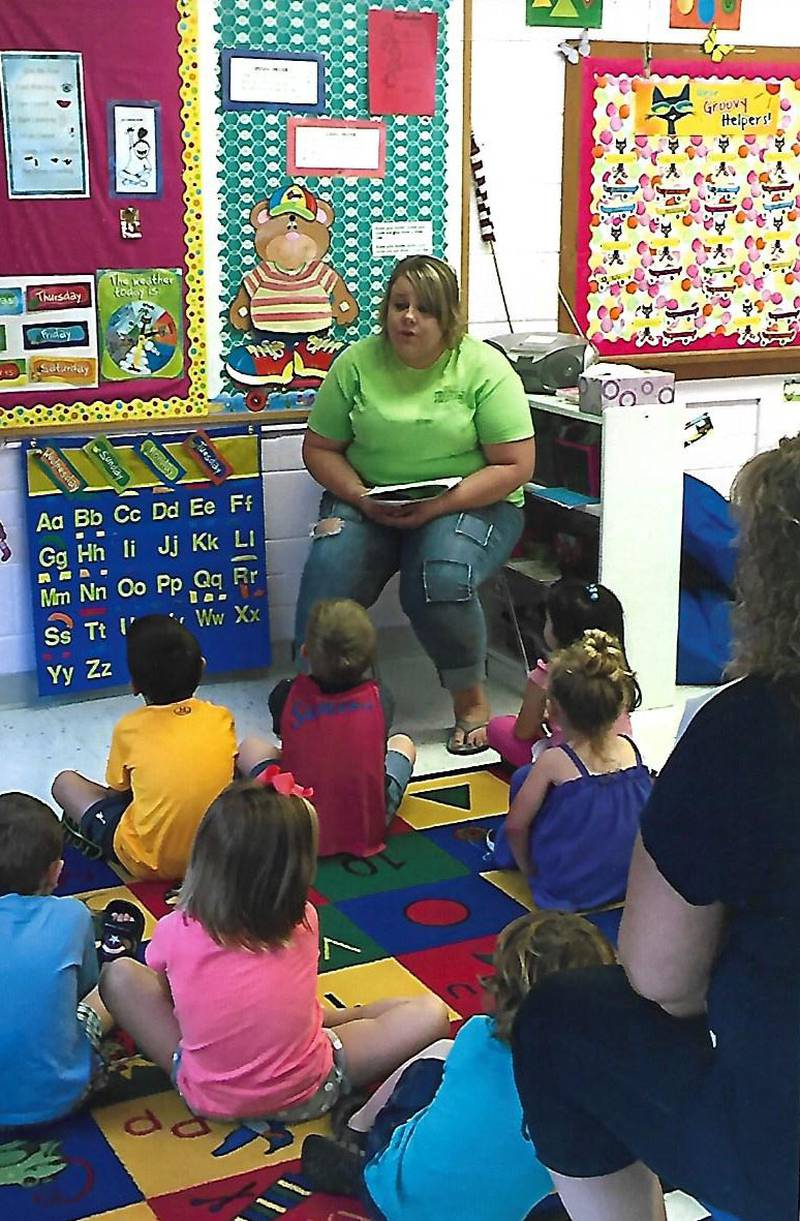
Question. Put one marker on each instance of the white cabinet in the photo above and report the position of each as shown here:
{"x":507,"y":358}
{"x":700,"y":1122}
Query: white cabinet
{"x":639,"y":520}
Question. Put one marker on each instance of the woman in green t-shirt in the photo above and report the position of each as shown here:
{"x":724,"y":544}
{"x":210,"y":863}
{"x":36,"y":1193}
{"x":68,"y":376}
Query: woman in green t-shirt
{"x":421,"y":401}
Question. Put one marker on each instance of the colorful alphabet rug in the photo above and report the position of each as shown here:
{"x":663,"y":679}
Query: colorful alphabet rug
{"x":422,"y":915}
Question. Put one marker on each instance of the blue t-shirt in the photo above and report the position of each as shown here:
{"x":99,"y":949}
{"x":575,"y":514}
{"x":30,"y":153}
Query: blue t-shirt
{"x":47,"y":965}
{"x":464,"y":1155}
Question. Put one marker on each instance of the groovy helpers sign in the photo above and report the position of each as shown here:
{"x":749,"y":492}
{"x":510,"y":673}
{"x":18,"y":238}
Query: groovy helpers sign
{"x":127,"y":526}
{"x":708,"y":108}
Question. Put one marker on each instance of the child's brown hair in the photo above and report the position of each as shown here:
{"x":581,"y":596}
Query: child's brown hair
{"x":31,"y":839}
{"x":591,"y":682}
{"x":340,"y":642}
{"x":534,"y":946}
{"x":252,"y":862}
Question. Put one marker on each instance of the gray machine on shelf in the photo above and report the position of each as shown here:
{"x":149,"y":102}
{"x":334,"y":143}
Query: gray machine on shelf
{"x":545,"y":363}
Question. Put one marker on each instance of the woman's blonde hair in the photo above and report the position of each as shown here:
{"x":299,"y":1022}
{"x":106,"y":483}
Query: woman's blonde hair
{"x":766,"y":616}
{"x":591,"y":681}
{"x":252,"y":863}
{"x":534,"y":946}
{"x":436,"y":288}
{"x":340,"y":642}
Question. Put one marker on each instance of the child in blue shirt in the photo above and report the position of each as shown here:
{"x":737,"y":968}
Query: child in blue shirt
{"x":460,"y":1151}
{"x":50,"y":1033}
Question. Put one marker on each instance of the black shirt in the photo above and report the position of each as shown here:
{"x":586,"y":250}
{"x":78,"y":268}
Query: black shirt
{"x":723,"y":824}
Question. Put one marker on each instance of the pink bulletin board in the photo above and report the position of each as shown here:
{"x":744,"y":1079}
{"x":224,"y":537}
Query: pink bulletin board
{"x":131,"y":52}
{"x":681,"y":212}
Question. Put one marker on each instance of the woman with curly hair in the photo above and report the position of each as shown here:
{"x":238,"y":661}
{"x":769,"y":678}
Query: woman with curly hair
{"x":684,"y":1061}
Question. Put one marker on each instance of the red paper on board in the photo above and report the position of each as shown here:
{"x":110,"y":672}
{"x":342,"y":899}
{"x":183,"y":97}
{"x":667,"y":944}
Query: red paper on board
{"x":402,"y":62}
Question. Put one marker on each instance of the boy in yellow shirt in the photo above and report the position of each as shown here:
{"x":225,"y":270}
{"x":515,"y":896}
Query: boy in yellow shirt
{"x":168,"y":761}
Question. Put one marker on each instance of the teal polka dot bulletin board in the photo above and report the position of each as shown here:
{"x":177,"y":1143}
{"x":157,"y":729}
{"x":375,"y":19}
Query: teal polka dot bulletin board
{"x":253,"y":160}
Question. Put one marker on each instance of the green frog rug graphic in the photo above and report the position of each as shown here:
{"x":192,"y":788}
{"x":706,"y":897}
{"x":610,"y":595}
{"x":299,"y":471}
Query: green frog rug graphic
{"x":290,"y":301}
{"x":27,"y":1163}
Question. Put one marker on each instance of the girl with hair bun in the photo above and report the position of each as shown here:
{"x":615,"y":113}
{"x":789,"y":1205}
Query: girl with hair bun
{"x":574,"y":817}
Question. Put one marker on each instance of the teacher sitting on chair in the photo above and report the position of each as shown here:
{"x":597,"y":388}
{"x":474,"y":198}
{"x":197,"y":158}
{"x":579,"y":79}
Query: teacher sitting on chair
{"x":421,"y":401}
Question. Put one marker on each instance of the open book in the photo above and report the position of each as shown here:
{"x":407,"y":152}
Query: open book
{"x":399,"y":494}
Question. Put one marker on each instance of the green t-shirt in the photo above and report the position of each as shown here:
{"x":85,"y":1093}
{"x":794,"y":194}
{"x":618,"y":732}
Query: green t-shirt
{"x":406,"y":425}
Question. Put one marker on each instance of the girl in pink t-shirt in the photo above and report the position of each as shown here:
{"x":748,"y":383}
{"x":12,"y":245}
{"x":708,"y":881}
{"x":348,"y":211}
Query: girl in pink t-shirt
{"x":572,"y":608}
{"x":227,"y":1003}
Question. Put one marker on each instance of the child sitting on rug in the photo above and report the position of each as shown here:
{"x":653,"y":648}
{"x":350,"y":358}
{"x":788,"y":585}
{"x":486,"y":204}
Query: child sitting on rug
{"x":572,"y":608}
{"x":449,"y":1141}
{"x":333,"y":726}
{"x":168,"y":760}
{"x":228,"y":1001}
{"x":53,"y":1018}
{"x":574,"y":818}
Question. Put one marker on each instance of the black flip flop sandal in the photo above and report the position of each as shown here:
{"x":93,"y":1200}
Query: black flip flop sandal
{"x":123,"y":930}
{"x":465,"y":747}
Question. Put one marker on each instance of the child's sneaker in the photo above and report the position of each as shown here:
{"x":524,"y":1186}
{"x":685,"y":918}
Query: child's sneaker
{"x":331,"y":1168}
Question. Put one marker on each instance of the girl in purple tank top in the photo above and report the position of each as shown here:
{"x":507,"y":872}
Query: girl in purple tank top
{"x":574,"y":817}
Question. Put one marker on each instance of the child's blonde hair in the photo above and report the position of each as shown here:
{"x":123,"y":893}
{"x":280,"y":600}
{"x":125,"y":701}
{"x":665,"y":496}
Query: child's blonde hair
{"x":340,"y":642}
{"x":534,"y":946}
{"x":591,"y":682}
{"x":252,"y":863}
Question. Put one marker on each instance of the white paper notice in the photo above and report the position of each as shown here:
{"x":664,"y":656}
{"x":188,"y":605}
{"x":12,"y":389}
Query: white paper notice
{"x":396,"y":240}
{"x":340,"y":148}
{"x":288,"y":82}
{"x":136,"y":151}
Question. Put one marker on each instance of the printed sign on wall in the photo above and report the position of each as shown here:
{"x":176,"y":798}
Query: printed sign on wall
{"x":48,"y":333}
{"x":44,"y":124}
{"x":134,"y":148}
{"x":170,"y":524}
{"x":141,"y":331}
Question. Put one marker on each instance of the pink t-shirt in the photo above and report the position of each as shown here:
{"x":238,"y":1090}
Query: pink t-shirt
{"x":538,"y":676}
{"x":252,"y":1041}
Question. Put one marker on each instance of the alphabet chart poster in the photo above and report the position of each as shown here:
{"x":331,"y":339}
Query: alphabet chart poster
{"x":161,"y":524}
{"x":687,"y":219}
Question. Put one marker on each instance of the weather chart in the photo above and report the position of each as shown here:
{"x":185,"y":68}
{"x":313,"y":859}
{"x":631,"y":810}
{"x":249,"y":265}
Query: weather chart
{"x":167,"y":523}
{"x":689,"y":208}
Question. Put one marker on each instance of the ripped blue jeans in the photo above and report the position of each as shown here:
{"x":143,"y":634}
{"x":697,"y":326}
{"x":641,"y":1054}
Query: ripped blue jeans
{"x":442,"y":565}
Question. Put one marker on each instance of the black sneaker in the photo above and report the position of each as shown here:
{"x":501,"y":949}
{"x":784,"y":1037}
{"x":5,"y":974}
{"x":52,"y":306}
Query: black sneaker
{"x":331,"y":1168}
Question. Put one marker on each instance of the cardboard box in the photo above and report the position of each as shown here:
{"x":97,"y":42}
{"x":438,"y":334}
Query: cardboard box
{"x":602,"y":386}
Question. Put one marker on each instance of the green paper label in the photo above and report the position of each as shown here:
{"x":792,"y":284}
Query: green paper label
{"x":107,"y":461}
{"x":161,"y":460}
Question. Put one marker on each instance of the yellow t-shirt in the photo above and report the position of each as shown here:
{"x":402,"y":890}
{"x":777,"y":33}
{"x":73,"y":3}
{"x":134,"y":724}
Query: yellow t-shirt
{"x":175,"y":759}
